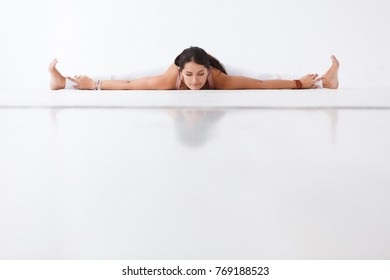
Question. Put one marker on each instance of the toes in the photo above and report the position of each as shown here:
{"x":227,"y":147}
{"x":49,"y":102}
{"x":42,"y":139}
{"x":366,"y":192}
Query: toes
{"x":52,"y":65}
{"x":334,"y":60}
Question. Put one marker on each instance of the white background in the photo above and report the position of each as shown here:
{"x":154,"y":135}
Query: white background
{"x":118,"y":36}
{"x":122,"y":36}
{"x":302,"y":270}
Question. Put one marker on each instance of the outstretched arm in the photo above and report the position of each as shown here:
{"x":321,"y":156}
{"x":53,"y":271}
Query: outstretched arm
{"x":223,"y":81}
{"x":165,"y":81}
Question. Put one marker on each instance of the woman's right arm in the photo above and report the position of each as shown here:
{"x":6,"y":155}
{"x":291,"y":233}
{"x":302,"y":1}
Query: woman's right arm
{"x":165,"y":81}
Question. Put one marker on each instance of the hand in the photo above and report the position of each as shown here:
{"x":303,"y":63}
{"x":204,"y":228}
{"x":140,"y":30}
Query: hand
{"x":82,"y":82}
{"x":309,"y":80}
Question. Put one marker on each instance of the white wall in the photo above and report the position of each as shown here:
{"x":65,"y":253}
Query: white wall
{"x":119,"y":36}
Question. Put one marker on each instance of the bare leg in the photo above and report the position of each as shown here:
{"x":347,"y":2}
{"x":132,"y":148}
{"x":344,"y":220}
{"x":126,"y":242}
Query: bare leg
{"x":331,"y":78}
{"x":57,"y":81}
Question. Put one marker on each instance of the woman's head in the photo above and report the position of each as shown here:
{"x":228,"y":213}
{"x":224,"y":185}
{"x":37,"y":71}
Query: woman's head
{"x":195,"y":65}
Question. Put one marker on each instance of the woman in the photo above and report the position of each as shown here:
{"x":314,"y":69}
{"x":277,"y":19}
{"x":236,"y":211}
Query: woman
{"x":194,"y":69}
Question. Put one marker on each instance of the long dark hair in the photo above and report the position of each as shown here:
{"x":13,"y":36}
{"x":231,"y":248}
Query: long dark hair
{"x":199,"y":56}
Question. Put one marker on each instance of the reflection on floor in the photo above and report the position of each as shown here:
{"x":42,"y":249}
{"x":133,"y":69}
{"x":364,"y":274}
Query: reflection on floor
{"x":194,"y":183}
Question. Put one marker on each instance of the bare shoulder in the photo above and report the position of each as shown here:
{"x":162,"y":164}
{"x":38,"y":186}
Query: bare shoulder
{"x":167,"y":80}
{"x":219,"y":78}
{"x":169,"y":77}
{"x":172,"y":71}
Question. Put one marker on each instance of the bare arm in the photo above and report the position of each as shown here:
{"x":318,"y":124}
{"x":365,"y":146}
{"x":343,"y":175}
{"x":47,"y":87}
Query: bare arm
{"x":223,"y":81}
{"x":165,"y":81}
{"x":148,"y":83}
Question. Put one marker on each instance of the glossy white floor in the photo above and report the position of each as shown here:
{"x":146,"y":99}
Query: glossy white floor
{"x":243,"y":175}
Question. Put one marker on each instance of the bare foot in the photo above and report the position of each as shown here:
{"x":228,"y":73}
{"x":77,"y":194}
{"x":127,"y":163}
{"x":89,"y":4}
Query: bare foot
{"x":331,"y":78}
{"x":57,"y":81}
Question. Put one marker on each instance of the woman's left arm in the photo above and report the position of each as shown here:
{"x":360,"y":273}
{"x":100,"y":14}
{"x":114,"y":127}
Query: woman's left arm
{"x":223,"y":81}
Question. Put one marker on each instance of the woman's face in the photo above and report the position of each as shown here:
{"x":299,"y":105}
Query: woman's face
{"x":195,"y":75}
